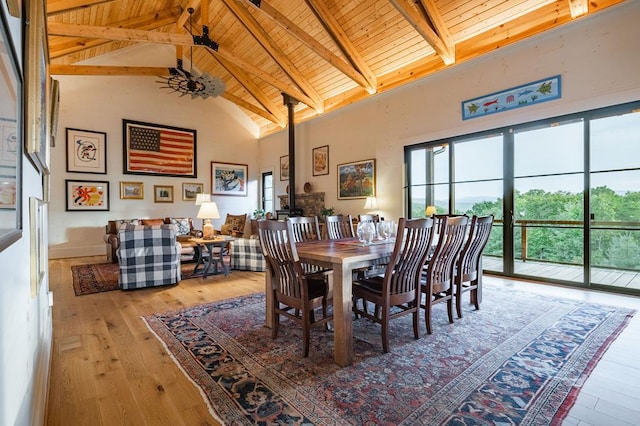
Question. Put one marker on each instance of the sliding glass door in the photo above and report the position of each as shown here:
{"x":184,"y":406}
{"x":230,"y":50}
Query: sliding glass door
{"x":548,"y":201}
{"x":615,"y":201}
{"x":565,"y":194}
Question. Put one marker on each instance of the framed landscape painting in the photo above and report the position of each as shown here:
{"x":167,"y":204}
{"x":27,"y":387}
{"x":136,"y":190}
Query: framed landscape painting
{"x":131,"y":190}
{"x":229,"y":179}
{"x":284,"y":167}
{"x":357,"y":179}
{"x":87,"y":195}
{"x":320,"y":160}
{"x":162,"y":193}
{"x":190,"y":191}
{"x":86,"y":151}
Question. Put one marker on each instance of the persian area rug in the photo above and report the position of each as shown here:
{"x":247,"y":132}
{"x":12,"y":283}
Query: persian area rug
{"x":521,"y":359}
{"x":99,"y":277}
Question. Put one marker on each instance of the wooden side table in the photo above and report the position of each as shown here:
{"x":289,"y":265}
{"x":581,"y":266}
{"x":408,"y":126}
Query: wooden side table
{"x":208,"y":258}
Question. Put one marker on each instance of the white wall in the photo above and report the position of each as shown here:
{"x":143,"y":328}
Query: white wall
{"x":25,"y":320}
{"x":224,"y":134}
{"x":598,"y":58}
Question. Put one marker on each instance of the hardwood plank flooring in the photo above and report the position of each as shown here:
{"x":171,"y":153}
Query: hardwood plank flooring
{"x":108,"y":368}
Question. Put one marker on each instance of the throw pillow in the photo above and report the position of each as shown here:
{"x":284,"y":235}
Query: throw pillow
{"x":182,"y":224}
{"x":151,"y":222}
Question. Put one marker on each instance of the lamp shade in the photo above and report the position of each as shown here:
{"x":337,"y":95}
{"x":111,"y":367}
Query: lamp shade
{"x":430,"y":211}
{"x":208,"y":210}
{"x":371,"y":203}
{"x":201,"y":198}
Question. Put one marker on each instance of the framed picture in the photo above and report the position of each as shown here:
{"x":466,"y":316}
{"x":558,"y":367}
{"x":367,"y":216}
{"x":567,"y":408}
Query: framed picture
{"x":162,"y":193}
{"x":38,"y":254}
{"x":516,"y":97}
{"x":229,"y":179}
{"x":11,"y":140}
{"x":55,"y":109}
{"x":320,"y":160}
{"x":357,"y":179}
{"x":37,"y":89}
{"x":87,"y":195}
{"x":131,"y":190}
{"x":190,"y":191}
{"x":284,"y":167}
{"x":86,"y":151}
{"x":154,"y":149}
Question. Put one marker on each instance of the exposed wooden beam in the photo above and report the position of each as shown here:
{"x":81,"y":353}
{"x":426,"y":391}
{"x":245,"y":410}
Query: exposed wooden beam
{"x":578,"y":8}
{"x":62,"y":46}
{"x":275,"y":52}
{"x":313,"y":44}
{"x":438,"y":22}
{"x":132,"y":35}
{"x":55,"y":69}
{"x":55,"y":7}
{"x":250,"y":107}
{"x":116,"y":33}
{"x":343,"y":42}
{"x":277,"y":116}
{"x":184,"y":16}
{"x":411,"y":14}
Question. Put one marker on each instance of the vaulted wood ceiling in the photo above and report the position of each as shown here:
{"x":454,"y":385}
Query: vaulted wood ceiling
{"x":324,"y":53}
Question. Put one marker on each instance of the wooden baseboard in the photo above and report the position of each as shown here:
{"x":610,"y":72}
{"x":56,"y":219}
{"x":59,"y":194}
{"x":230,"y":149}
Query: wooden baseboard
{"x":41,"y":382}
{"x":66,"y":252}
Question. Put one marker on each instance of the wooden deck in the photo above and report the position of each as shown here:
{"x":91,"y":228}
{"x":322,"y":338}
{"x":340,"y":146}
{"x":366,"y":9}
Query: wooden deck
{"x":608,"y":277}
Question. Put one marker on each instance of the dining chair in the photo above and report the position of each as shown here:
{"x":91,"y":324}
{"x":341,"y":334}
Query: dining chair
{"x":369,"y":218}
{"x":437,"y":283}
{"x":305,"y":228}
{"x":296,"y":294}
{"x":397,"y":293}
{"x":468,"y":271}
{"x":340,"y":226}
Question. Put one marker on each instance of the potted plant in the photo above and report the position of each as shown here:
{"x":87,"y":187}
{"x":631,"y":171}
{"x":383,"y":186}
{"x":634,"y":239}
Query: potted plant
{"x":326,"y":211}
{"x":258,"y":214}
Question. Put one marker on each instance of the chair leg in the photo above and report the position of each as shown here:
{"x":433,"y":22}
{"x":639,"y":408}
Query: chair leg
{"x":459,"y":299}
{"x":474,"y":293}
{"x":306,"y":327}
{"x":427,"y":311}
{"x":275,"y":326}
{"x":385,"y":331}
{"x":416,"y":323}
{"x":450,"y":304}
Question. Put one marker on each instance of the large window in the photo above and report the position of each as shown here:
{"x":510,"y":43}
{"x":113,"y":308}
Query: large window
{"x":565,"y":194}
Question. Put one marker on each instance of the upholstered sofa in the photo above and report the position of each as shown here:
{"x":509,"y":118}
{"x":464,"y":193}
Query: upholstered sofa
{"x":148,"y":256}
{"x":183,"y":225}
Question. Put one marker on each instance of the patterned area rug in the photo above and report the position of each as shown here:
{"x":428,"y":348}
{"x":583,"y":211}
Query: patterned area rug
{"x":99,"y":277}
{"x":521,"y":359}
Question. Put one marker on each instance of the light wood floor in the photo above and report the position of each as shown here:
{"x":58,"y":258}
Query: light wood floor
{"x":108,"y":369}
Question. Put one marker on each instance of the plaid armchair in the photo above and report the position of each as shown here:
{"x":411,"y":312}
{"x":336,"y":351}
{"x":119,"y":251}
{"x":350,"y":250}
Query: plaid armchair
{"x":149,"y":256}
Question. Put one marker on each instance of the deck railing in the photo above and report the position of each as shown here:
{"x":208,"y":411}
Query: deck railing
{"x":526,"y":225}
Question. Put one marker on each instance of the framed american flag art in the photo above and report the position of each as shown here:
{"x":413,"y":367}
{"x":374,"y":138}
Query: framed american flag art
{"x":154,"y":149}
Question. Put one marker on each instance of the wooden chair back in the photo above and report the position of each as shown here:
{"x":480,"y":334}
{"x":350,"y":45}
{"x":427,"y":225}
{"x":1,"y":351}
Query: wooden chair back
{"x":304,"y":228}
{"x":402,"y":277}
{"x":369,"y":218}
{"x":296,"y":293}
{"x":339,"y":227}
{"x":469,"y":260}
{"x":452,"y":232}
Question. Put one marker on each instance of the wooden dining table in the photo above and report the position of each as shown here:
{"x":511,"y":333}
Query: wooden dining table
{"x":343,"y":256}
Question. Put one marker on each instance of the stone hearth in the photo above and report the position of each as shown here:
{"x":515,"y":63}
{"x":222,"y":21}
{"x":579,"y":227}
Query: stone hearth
{"x":310,"y":203}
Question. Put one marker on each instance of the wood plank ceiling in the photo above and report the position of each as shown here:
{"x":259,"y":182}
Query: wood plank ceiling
{"x":324,"y":53}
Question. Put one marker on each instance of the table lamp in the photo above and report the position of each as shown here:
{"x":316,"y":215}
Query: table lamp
{"x":371,"y":203}
{"x":430,"y":211}
{"x":208,"y":210}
